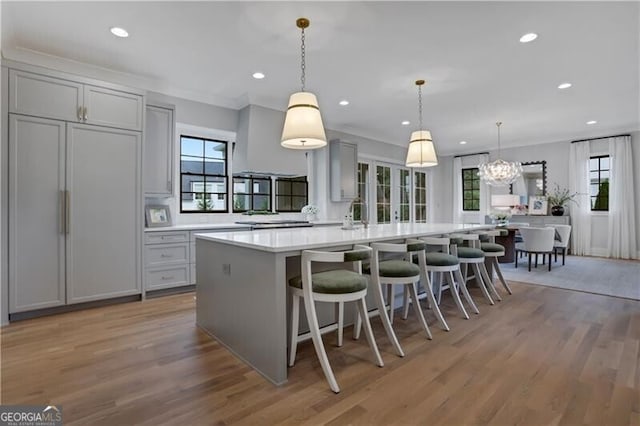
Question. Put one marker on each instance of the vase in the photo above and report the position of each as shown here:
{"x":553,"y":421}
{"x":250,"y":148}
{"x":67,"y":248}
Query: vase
{"x":557,"y":210}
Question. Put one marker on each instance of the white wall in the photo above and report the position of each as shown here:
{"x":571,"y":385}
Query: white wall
{"x":556,"y":155}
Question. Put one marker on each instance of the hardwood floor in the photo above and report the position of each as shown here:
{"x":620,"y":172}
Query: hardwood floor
{"x":542,"y":356}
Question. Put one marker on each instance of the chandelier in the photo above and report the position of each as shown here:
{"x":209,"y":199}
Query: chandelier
{"x":303,"y":127}
{"x":500,"y":172}
{"x":421,"y":152}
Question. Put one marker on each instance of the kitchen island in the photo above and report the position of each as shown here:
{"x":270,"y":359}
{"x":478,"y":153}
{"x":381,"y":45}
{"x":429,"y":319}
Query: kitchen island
{"x":241,"y":282}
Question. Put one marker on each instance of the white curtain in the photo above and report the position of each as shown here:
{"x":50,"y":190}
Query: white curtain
{"x":622,"y":222}
{"x":485,"y":192}
{"x":579,"y":183}
{"x":457,"y":190}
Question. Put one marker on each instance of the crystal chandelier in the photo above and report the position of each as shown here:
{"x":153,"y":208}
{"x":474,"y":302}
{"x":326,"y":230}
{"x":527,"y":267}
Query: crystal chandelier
{"x":303,"y":127}
{"x":500,"y":172}
{"x":421,"y":152}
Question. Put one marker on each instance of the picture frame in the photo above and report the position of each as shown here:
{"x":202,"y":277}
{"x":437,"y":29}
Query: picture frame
{"x":157,"y":215}
{"x":537,"y":205}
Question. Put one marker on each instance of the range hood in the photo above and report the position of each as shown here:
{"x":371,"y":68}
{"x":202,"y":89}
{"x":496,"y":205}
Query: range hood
{"x":257,"y":150}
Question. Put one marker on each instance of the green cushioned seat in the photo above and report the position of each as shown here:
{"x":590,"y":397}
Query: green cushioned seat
{"x":395,"y":269}
{"x":484,"y":238}
{"x":492,"y":247}
{"x":469,"y":252}
{"x":441,"y":259}
{"x":457,"y":241}
{"x":339,"y":281}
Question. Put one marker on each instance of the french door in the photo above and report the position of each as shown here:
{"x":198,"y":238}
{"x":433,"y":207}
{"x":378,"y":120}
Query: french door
{"x":392,"y":193}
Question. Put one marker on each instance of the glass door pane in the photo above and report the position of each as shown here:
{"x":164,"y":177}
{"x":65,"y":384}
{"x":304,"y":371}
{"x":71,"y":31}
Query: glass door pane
{"x":402,"y":195}
{"x":420,"y":196}
{"x":383,"y":194}
{"x":361,"y":204}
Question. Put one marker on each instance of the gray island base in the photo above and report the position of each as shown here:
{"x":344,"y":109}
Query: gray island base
{"x":241,"y":282}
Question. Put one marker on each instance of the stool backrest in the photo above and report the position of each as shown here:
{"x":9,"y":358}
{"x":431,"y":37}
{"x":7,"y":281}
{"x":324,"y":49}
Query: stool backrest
{"x":472,"y":239}
{"x":564,"y":231}
{"x":357,"y":254}
{"x":442,"y":242}
{"x":408,"y":247}
{"x":538,"y":239}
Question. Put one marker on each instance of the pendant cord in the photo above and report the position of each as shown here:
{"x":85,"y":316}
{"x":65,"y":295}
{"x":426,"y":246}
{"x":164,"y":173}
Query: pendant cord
{"x":420,"y":107}
{"x":303,"y":64}
{"x":499,"y":123}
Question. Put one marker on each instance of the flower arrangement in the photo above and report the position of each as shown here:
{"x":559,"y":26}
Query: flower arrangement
{"x":500,"y":216}
{"x":561,"y":196}
{"x":310,"y":209}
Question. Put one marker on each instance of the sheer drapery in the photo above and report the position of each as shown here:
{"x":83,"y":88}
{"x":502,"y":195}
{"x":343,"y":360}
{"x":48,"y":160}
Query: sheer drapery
{"x":457,"y":190}
{"x":579,"y":155}
{"x":622,"y":222}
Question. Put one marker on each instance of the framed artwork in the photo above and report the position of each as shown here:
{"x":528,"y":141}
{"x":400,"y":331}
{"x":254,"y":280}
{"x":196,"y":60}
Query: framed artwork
{"x":157,"y":216}
{"x":538,"y":205}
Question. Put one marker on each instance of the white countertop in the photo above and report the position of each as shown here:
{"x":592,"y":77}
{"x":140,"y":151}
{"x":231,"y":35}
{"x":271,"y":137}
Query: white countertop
{"x":228,"y":226}
{"x":288,"y":239}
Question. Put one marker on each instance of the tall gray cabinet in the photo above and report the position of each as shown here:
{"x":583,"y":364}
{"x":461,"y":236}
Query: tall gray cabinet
{"x":75,"y":192}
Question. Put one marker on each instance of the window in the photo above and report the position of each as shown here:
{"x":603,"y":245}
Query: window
{"x":203,"y":175}
{"x":291,"y":194}
{"x":470,"y":189}
{"x":251,"y":193}
{"x":420,"y":188}
{"x":360,"y":205}
{"x":599,"y":182}
{"x":383,"y":191}
{"x":405,"y":195}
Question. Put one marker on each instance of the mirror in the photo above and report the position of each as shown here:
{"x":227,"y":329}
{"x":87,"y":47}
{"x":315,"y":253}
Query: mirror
{"x":533,"y":180}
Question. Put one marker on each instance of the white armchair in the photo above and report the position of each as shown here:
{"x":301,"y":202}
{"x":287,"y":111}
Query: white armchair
{"x":537,"y":241}
{"x":564,"y":232}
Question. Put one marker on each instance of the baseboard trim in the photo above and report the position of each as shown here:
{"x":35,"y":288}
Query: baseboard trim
{"x":169,"y":291}
{"x":20,"y":316}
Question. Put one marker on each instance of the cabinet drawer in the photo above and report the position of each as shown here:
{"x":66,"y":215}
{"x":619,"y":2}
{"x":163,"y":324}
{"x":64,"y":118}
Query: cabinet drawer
{"x":158,"y":278}
{"x":166,"y":254}
{"x":38,"y":95}
{"x":166,"y":237}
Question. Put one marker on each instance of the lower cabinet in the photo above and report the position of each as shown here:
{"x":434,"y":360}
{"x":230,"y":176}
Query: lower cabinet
{"x":166,"y":259}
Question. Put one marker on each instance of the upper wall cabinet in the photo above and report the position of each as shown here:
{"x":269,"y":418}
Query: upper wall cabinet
{"x":344,"y":170}
{"x":158,"y":150}
{"x":51,"y":97}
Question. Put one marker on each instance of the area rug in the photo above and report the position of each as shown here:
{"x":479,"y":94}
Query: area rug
{"x":610,"y":277}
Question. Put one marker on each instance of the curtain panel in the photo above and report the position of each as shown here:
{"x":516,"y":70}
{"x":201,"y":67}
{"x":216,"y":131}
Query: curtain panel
{"x":622,"y":220}
{"x":579,"y":155}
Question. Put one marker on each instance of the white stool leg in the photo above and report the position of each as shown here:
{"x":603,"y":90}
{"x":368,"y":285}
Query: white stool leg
{"x":295,"y":320}
{"x":390,"y":301}
{"x":465,"y":291}
{"x":382,"y":311}
{"x":489,"y":281}
{"x":500,"y":277}
{"x":405,"y":303}
{"x":434,"y":305}
{"x":418,"y":309}
{"x":440,"y":280}
{"x":362,"y":308}
{"x":314,"y":329}
{"x":480,"y":282}
{"x":454,"y":292}
{"x":357,"y":325}
{"x":340,"y":320}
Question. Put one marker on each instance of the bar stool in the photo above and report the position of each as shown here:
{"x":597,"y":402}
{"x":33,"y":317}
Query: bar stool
{"x":336,"y":286}
{"x":474,"y":257}
{"x":446,"y":266}
{"x":493,"y":251}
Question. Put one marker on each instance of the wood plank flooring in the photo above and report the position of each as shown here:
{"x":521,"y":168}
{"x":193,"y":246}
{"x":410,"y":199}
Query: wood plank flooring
{"x":542,"y":356}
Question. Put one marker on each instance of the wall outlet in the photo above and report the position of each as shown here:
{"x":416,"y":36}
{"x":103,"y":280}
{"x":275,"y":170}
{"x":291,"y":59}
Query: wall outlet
{"x":226,"y":268}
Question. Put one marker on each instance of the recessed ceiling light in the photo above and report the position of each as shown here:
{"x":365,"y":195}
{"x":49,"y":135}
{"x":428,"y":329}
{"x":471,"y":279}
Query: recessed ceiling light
{"x":406,"y":123}
{"x":591,"y":122}
{"x":564,"y":85}
{"x":528,"y":37}
{"x":463,"y":142}
{"x":344,"y":102}
{"x":258,"y":75}
{"x":119,"y":32}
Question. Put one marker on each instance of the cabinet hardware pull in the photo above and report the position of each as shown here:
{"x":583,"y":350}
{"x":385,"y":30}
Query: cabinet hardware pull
{"x":166,"y":278}
{"x":61,"y":201}
{"x":67,"y":209}
{"x":86,"y":114}
{"x":166,"y":255}
{"x":80,"y":113}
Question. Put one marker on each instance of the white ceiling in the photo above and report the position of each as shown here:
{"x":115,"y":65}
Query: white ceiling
{"x":370,"y":53}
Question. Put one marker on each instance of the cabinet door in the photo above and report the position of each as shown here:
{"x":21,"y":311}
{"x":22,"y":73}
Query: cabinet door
{"x":103,"y":241}
{"x":36,"y":213}
{"x":344,"y":170}
{"x":158,"y":151}
{"x":112,"y":108}
{"x":41,"y":96}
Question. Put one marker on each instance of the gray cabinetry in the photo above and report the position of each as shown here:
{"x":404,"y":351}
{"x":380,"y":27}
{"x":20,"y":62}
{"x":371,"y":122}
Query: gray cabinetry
{"x":158,"y":151}
{"x":344,"y":170}
{"x":166,"y":259}
{"x":64,"y":99}
{"x":75,"y":213}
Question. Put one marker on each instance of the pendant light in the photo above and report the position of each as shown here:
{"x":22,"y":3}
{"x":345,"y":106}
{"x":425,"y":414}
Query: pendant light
{"x":421,"y":152}
{"x":303,"y":127}
{"x":500,"y":172}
